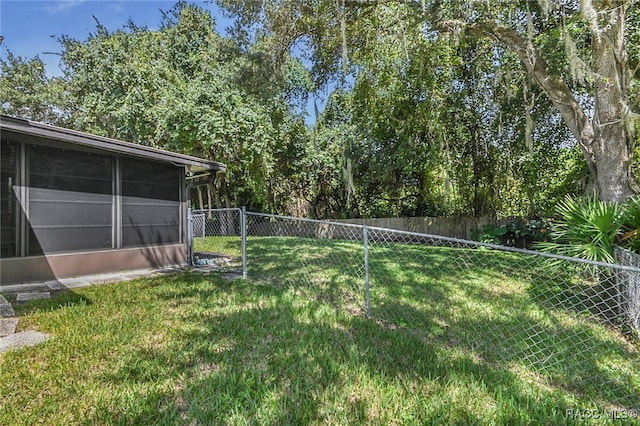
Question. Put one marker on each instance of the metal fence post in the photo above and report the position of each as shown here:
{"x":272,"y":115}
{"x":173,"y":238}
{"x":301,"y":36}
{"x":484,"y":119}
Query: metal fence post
{"x":365,"y":241}
{"x":189,"y":237}
{"x":243,"y":240}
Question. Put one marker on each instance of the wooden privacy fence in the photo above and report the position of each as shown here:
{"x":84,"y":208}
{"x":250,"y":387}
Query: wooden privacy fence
{"x":454,"y":227}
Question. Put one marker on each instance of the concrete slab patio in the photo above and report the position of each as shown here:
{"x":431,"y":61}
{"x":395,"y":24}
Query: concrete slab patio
{"x":22,"y":339}
{"x":83,"y":281}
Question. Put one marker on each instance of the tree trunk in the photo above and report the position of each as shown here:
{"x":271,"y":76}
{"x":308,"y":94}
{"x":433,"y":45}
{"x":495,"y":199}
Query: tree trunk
{"x":226,"y":218}
{"x":216,"y":196}
{"x":225,"y":193}
{"x":613,"y":143}
{"x":209,"y":198}
{"x":200,"y":204}
{"x":606,"y":144}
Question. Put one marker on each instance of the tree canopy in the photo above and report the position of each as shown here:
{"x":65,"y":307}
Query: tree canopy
{"x":568,"y":57}
{"x":433,"y":108}
{"x":183,"y":88}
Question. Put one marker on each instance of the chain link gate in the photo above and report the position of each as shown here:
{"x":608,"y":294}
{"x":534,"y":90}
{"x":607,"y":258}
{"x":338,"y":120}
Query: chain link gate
{"x":217,"y":237}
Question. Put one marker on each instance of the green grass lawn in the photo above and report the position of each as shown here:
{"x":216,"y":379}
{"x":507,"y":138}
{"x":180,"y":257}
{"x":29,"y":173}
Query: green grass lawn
{"x":221,"y":245}
{"x":445,"y":345}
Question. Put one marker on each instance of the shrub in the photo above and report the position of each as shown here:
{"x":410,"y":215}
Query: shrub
{"x":519,"y":233}
{"x":586,"y":228}
{"x":490,"y":234}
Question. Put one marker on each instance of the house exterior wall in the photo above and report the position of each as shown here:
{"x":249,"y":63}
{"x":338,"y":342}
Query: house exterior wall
{"x":50,"y":267}
{"x":68,"y":212}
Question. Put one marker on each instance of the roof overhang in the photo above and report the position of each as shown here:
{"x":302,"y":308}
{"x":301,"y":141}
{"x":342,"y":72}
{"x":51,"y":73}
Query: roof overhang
{"x":47,"y":134}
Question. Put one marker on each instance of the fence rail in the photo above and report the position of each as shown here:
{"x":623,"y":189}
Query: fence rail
{"x":553,"y":319}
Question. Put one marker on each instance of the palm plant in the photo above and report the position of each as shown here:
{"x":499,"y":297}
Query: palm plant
{"x":586,"y":228}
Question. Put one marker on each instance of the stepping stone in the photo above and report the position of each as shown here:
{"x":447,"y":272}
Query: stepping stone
{"x":22,"y":339}
{"x":21,"y":288}
{"x":23,"y":297}
{"x":6,"y":310}
{"x":55,"y":285}
{"x":8,"y":326}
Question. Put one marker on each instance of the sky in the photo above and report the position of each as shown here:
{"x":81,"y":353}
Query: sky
{"x":31,"y":27}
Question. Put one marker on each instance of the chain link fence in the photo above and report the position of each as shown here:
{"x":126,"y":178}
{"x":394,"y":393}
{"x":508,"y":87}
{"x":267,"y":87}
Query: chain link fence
{"x":567,"y":323}
{"x":217,"y":238}
{"x":629,"y":287}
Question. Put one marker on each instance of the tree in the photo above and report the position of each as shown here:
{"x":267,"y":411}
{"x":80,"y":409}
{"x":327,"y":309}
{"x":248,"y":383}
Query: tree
{"x":26,"y":91}
{"x":607,"y":139}
{"x":593,"y":103}
{"x":188,"y":89}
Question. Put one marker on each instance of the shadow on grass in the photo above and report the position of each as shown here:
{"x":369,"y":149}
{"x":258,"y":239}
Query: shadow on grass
{"x":515,"y":311}
{"x":458,"y":335}
{"x":273,"y":358}
{"x":325,"y":269}
{"x":291,"y":385}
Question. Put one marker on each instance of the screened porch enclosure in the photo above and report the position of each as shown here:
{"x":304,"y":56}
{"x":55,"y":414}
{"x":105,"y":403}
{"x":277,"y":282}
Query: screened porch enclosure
{"x":78,"y":201}
{"x":73,"y":203}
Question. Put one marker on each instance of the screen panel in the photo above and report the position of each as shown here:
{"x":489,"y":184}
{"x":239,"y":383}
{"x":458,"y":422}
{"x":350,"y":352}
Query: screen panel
{"x":8,"y":201}
{"x":150,"y":203}
{"x":70,"y":200}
